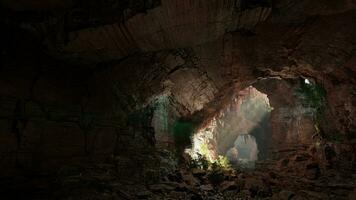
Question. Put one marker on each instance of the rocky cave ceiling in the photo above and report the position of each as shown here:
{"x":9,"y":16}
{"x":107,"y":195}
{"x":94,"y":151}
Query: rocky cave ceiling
{"x":197,"y":51}
{"x":83,"y":78}
{"x":213,"y":44}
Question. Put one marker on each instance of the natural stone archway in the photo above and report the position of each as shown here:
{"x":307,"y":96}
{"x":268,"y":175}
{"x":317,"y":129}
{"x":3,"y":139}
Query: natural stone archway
{"x":239,"y":126}
{"x":275,"y":122}
{"x":293,"y":120}
{"x":125,"y":83}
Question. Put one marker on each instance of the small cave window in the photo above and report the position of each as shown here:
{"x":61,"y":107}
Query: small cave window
{"x":306,"y":81}
{"x":238,"y":133}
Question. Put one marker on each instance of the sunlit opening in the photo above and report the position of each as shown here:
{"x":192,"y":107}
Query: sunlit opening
{"x":237,"y":133}
{"x":306,"y":81}
{"x":244,"y":152}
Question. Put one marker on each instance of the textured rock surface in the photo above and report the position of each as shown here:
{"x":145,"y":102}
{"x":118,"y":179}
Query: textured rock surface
{"x":81,"y":83}
{"x":174,"y":24}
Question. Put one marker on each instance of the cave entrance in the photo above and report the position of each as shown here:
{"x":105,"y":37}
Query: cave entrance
{"x":238,"y":133}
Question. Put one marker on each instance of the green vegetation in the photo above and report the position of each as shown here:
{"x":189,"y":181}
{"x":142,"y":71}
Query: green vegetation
{"x":200,"y":162}
{"x":313,"y":96}
{"x":216,"y":168}
{"x":204,"y":150}
{"x":222,"y":163}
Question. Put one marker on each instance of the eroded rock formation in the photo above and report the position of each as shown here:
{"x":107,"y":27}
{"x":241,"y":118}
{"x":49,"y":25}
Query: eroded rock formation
{"x":110,"y":93}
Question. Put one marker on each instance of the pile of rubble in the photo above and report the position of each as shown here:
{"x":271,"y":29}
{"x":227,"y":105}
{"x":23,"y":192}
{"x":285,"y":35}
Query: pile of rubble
{"x":295,"y":177}
{"x":298,"y":175}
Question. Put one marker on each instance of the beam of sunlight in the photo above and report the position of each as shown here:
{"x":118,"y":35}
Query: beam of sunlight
{"x":228,"y":134}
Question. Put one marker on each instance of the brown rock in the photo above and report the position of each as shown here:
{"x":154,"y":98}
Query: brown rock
{"x":207,"y":187}
{"x":160,"y":187}
{"x":253,"y":183}
{"x":178,"y":195}
{"x":228,"y":185}
{"x":285,"y":195}
{"x":312,"y":171}
{"x":314,"y":195}
{"x":144,"y":194}
{"x":302,"y":157}
{"x":198,"y":172}
{"x":352,"y":195}
{"x":189,"y":179}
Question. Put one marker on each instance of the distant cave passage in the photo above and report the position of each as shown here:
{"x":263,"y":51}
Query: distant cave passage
{"x":244,"y":151}
{"x":239,"y":132}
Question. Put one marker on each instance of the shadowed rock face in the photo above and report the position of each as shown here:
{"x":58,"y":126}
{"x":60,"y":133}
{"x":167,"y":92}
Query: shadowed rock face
{"x":130,"y":82}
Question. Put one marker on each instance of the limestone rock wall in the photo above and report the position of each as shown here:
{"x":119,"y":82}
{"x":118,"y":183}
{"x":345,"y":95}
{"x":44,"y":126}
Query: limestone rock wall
{"x":51,"y":116}
{"x":169,"y":24}
{"x":48,"y":117}
{"x":199,"y":51}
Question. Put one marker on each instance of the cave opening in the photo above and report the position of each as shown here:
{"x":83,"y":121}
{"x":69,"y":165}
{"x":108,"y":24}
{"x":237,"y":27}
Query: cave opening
{"x":178,"y":99}
{"x":238,"y":133}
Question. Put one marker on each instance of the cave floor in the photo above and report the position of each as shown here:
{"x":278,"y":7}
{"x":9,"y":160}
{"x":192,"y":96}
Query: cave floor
{"x":295,"y":177}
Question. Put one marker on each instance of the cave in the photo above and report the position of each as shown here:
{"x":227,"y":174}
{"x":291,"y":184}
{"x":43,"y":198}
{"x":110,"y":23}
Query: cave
{"x":238,"y":132}
{"x":178,"y":99}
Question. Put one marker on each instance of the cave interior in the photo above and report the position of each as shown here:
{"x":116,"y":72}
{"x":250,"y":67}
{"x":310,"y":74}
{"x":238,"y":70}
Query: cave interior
{"x":178,"y":99}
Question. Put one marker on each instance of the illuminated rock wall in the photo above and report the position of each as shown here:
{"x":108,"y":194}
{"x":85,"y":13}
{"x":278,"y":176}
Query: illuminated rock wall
{"x":246,"y":114}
